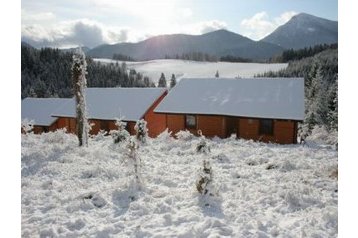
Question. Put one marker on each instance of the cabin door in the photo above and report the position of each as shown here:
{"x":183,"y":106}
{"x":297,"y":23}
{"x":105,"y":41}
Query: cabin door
{"x":231,"y":126}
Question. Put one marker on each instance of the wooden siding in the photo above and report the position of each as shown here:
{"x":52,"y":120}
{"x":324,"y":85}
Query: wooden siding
{"x":156,"y":123}
{"x":68,"y":123}
{"x":175,"y":123}
{"x":211,"y":125}
{"x":284,"y":131}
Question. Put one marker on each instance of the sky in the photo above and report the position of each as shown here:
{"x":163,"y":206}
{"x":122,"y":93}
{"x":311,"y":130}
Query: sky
{"x":69,"y":23}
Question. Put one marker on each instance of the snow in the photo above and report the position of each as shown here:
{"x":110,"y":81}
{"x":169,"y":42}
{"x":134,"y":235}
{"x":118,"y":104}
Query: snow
{"x":194,"y":69}
{"x":263,"y":190}
{"x":278,"y":98}
{"x":130,"y":104}
{"x":39,"y":110}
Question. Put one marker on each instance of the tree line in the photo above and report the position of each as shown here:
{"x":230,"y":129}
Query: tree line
{"x":291,"y":54}
{"x":47,"y":73}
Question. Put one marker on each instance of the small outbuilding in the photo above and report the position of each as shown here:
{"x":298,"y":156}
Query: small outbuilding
{"x":39,"y":111}
{"x":263,"y":109}
{"x":105,"y":105}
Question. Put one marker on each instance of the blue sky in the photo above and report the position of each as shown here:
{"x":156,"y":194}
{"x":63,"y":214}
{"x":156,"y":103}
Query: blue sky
{"x":69,"y":23}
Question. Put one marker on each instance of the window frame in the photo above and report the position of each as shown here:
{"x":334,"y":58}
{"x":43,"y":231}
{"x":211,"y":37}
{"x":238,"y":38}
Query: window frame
{"x":187,"y":126}
{"x":263,"y":130}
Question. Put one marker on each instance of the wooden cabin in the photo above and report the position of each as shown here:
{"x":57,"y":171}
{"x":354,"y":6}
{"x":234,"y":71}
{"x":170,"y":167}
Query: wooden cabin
{"x":105,"y":105}
{"x":262,"y":109}
{"x":39,"y":111}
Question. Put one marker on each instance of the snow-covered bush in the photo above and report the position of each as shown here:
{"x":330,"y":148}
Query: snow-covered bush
{"x":165,"y":135}
{"x":204,"y":182}
{"x":141,"y":130}
{"x":134,"y":159}
{"x":121,"y":134}
{"x":321,"y":136}
{"x":202,"y":146}
{"x":59,"y":136}
{"x":100,"y":135}
{"x":184,"y":135}
{"x":27,"y":126}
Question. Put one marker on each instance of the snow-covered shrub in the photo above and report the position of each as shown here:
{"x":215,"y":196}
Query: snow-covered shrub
{"x":165,"y":135}
{"x":322,"y":136}
{"x":204,"y":182}
{"x":100,"y":135}
{"x":141,"y":130}
{"x":121,"y":134}
{"x":59,"y":136}
{"x":202,"y":146}
{"x":184,"y":135}
{"x":133,"y":158}
{"x":27,"y":126}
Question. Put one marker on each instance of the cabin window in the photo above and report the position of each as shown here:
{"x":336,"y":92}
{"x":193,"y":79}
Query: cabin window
{"x":266,"y":127}
{"x":190,"y":121}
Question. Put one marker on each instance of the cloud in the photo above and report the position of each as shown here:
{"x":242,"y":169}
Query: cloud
{"x":208,"y":26}
{"x":82,"y":32}
{"x":260,"y":25}
{"x":37,"y":17}
{"x":85,"y":34}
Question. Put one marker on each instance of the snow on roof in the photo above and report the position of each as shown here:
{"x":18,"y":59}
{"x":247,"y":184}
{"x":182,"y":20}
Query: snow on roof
{"x":111,"y":103}
{"x":276,"y":98}
{"x":39,"y":110}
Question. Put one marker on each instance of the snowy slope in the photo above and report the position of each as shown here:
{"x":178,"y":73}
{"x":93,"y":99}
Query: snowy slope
{"x":193,"y":69}
{"x":264,"y":190}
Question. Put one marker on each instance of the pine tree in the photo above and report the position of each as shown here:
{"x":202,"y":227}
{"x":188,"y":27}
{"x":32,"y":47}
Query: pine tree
{"x":141,"y":130}
{"x":217,"y":74}
{"x":79,"y":71}
{"x":317,"y":101}
{"x":173,"y":81}
{"x":162,"y":83}
{"x":333,"y":106}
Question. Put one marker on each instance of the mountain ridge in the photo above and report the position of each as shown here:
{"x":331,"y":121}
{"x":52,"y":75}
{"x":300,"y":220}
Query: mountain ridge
{"x":218,"y":43}
{"x":304,"y":30}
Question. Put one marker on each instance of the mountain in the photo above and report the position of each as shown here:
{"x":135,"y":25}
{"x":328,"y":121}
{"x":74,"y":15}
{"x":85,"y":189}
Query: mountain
{"x":304,"y":30}
{"x":85,"y":49}
{"x":25,"y":44}
{"x":218,"y":43}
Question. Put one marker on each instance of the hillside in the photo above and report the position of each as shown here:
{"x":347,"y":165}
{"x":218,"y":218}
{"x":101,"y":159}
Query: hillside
{"x":304,"y":30}
{"x":218,"y":43}
{"x":262,"y":190}
{"x":185,"y":68}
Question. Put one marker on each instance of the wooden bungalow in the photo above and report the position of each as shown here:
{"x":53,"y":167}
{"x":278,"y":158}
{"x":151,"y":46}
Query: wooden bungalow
{"x":105,"y":105}
{"x":39,"y":110}
{"x":263,"y":109}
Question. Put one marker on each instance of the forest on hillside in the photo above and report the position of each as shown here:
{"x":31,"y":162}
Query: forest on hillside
{"x":47,"y":73}
{"x":320,"y":73}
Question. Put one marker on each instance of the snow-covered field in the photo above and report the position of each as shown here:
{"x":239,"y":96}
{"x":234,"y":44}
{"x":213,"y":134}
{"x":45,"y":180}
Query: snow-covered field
{"x":263,"y":190}
{"x":194,"y":69}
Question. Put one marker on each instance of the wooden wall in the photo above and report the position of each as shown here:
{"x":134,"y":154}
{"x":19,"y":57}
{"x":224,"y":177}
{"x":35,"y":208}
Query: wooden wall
{"x":284,"y":131}
{"x":156,"y":123}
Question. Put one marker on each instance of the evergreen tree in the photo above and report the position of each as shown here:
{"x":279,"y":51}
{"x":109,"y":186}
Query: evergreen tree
{"x":333,"y":106}
{"x":217,"y":74}
{"x":173,"y":81}
{"x":79,"y":71}
{"x":162,"y":83}
{"x":141,"y":130}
